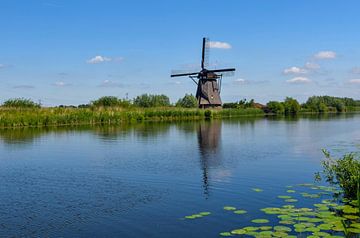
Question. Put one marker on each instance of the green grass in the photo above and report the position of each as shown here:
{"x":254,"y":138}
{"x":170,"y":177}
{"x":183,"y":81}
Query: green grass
{"x":38,"y":117}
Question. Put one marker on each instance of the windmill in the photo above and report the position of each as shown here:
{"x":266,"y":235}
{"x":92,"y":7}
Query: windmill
{"x":208,"y":88}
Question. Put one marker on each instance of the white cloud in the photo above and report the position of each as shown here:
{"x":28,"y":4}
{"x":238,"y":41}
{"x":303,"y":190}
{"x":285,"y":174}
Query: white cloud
{"x":61,"y":84}
{"x":2,"y":66}
{"x":240,"y":81}
{"x":98,"y":59}
{"x":295,"y":70}
{"x":298,"y":80}
{"x":219,"y":45}
{"x":312,"y":66}
{"x":108,"y":84}
{"x":325,"y":55}
{"x":354,"y":81}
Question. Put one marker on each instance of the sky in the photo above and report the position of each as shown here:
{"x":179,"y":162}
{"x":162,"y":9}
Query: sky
{"x":73,"y":51}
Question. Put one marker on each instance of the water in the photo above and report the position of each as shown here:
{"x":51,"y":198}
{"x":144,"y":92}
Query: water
{"x":140,"y":180}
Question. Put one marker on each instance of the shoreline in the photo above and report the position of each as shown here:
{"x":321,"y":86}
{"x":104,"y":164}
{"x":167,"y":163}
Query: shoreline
{"x":61,"y":117}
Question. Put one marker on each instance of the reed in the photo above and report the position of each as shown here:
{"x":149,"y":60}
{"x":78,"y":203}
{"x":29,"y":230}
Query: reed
{"x":38,"y":117}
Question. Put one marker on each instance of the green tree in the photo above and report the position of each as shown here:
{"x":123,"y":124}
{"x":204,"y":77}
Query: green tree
{"x":188,"y":101}
{"x":291,"y":106}
{"x":148,"y":100}
{"x":275,"y":107}
{"x":110,"y":101}
{"x":20,"y":103}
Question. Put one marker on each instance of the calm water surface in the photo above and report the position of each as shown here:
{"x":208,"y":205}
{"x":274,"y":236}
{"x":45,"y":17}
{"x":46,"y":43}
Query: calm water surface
{"x":140,"y":180}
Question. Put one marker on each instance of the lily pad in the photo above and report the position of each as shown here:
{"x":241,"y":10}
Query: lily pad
{"x":260,"y":221}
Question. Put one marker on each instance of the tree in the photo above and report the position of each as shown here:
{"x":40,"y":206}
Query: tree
{"x":110,"y":101}
{"x":188,"y":101}
{"x":21,"y":103}
{"x":148,"y":100}
{"x":275,"y":107}
{"x":291,"y":106}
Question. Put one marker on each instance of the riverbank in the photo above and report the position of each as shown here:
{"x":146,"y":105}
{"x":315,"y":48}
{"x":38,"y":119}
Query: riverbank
{"x":39,"y":117}
{"x":44,"y":117}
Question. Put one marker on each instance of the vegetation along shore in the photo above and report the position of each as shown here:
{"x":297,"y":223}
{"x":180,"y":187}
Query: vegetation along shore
{"x":21,"y":112}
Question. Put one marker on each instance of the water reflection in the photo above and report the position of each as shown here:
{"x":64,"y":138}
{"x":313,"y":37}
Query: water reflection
{"x":208,"y":134}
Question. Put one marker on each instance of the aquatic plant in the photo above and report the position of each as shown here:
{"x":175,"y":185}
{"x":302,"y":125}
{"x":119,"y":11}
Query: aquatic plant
{"x":344,"y":172}
{"x":328,"y":217}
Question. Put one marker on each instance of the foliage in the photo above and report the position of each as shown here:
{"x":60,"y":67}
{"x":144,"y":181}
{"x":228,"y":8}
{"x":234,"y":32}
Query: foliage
{"x":188,"y":101}
{"x":20,"y":103}
{"x":291,"y":106}
{"x":319,"y":103}
{"x":344,"y":171}
{"x":148,"y":100}
{"x":110,"y":101}
{"x":275,"y":107}
{"x":240,"y":104}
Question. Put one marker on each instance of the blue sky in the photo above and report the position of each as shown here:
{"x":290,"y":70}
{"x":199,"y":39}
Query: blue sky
{"x":71,"y":52}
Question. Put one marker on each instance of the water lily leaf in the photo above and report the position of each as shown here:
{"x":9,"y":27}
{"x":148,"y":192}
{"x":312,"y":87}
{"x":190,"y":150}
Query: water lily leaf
{"x":257,"y":190}
{"x":291,"y":200}
{"x":282,"y":228}
{"x":260,"y":221}
{"x":284,"y":197}
{"x":229,"y":208}
{"x":225,"y":234}
{"x":290,"y":191}
{"x":238,"y":232}
{"x":240,"y":212}
{"x":204,"y":213}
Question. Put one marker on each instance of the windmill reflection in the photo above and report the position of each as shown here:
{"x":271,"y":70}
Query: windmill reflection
{"x":209,"y":133}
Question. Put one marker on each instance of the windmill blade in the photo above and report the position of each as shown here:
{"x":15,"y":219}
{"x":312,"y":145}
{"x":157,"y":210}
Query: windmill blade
{"x":222,"y":70}
{"x":205,"y":53}
{"x":227,"y":74}
{"x":179,"y":73}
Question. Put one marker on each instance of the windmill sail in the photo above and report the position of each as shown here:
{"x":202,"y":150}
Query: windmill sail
{"x":208,"y":90}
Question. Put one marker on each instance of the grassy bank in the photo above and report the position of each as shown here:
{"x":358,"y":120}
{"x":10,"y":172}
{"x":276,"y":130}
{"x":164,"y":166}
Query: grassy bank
{"x":37,"y":117}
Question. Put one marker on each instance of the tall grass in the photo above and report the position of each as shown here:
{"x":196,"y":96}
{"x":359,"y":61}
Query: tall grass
{"x":36,"y":117}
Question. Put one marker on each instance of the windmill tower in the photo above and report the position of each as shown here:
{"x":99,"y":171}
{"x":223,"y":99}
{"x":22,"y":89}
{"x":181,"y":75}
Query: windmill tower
{"x":208,"y":81}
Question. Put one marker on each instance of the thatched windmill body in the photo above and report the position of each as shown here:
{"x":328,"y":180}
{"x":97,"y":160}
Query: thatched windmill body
{"x":208,"y":81}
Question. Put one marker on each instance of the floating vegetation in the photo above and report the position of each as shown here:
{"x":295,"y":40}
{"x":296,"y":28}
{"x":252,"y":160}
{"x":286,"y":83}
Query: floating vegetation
{"x":328,"y":217}
{"x":240,"y":212}
{"x":260,"y":221}
{"x":198,"y":215}
{"x":258,"y":190}
{"x":290,"y":191}
{"x":229,"y":208}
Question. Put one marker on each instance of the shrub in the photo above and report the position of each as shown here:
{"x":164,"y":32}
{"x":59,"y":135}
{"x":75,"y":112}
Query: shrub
{"x":20,"y":103}
{"x":291,"y":106}
{"x":275,"y":107}
{"x":188,"y":101}
{"x":344,"y":172}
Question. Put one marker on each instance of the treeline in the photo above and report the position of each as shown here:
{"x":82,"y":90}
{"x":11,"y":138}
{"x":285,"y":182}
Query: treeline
{"x":142,"y":101}
{"x":314,"y":104}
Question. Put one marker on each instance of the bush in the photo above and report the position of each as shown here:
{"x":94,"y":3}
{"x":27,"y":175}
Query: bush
{"x":242,"y":104}
{"x":20,"y":103}
{"x":344,"y":172}
{"x":275,"y":107}
{"x":188,"y":101}
{"x":148,"y":100}
{"x":291,"y":106}
{"x":110,"y":101}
